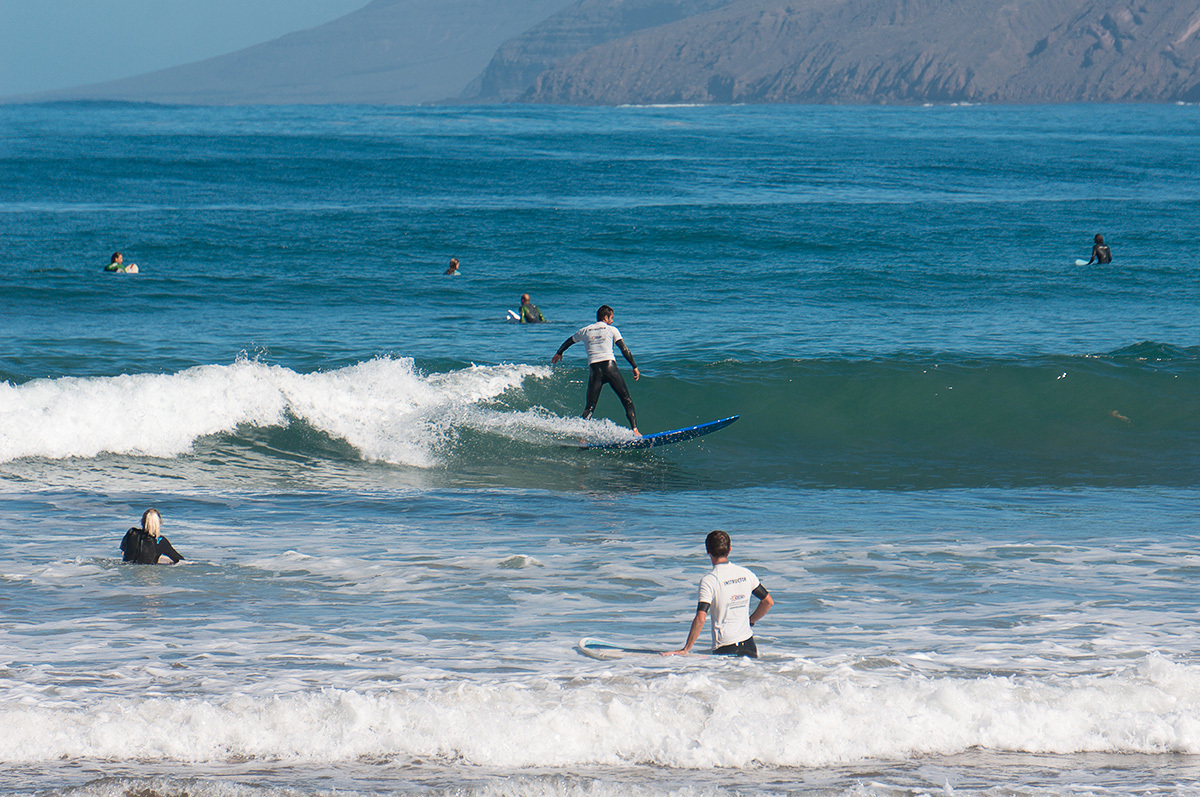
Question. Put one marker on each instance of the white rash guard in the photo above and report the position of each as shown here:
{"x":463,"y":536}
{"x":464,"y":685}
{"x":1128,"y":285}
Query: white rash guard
{"x":727,"y":591}
{"x":599,"y":338}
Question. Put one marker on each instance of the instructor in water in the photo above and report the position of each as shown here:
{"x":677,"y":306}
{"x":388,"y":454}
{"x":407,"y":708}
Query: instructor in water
{"x":726,"y":593}
{"x":599,"y":338}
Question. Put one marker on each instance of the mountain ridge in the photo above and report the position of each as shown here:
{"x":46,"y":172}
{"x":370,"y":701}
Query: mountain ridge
{"x":894,"y":51}
{"x":617,"y":52}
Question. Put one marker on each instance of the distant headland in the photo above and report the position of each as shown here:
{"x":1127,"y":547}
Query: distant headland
{"x":613,"y":52}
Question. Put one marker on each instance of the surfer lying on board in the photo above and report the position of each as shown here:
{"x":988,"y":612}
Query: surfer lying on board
{"x":1100,"y":252}
{"x":599,"y":338}
{"x":725,"y":592}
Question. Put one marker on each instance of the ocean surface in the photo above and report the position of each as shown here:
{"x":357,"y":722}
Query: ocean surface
{"x":967,"y":469}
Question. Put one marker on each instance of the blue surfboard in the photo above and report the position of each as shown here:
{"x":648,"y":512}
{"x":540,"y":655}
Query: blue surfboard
{"x":668,"y":437}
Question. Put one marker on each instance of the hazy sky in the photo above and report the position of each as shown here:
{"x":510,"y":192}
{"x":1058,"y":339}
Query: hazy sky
{"x":55,"y":44}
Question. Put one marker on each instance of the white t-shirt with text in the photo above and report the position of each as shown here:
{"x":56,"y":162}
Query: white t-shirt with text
{"x":599,"y":338}
{"x":727,"y":589}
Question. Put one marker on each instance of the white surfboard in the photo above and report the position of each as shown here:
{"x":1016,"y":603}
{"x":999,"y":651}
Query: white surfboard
{"x":601,"y":649}
{"x":604,"y":650}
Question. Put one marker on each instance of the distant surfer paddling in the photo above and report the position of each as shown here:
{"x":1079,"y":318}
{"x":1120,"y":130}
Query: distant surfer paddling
{"x":1101,"y":254}
{"x":599,"y":339}
{"x":725,"y":593}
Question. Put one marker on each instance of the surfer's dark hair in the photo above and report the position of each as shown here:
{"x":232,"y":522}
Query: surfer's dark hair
{"x":717,"y":544}
{"x":1099,"y":238}
{"x":604,"y":312}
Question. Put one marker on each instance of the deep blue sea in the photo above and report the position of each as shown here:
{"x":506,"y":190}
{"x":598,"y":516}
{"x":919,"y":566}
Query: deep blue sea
{"x":967,"y":468}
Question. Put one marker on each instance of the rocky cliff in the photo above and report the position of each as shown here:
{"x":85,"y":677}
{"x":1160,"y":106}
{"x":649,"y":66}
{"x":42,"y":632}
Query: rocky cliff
{"x":586,"y":24}
{"x":870,"y":51}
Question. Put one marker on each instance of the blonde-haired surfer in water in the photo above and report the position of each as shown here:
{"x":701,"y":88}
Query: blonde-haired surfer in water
{"x":145,"y":546}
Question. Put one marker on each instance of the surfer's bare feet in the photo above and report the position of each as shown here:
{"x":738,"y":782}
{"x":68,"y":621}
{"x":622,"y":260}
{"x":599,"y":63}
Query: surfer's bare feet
{"x":636,"y":433}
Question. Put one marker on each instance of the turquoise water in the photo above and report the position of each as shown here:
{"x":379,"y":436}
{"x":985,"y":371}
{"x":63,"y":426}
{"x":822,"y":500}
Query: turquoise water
{"x":966,"y":468}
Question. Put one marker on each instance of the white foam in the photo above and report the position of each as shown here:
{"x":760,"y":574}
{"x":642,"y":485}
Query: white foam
{"x":698,"y":714}
{"x":384,"y":408}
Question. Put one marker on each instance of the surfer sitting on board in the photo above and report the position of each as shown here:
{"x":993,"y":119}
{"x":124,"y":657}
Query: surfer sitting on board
{"x":117,"y":265}
{"x":599,"y":338}
{"x":144,"y":546}
{"x":1100,"y":252}
{"x":726,"y":593}
{"x":529,"y":312}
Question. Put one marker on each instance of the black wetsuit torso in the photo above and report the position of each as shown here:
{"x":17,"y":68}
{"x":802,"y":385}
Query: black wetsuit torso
{"x":142,"y":549}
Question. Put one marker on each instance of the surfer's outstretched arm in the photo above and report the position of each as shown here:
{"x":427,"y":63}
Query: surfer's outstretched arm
{"x":566,"y":345}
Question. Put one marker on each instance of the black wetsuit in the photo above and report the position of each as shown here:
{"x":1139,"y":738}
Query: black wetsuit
{"x":607,"y":371}
{"x":142,"y":549}
{"x":1101,"y":254}
{"x":531,"y":315}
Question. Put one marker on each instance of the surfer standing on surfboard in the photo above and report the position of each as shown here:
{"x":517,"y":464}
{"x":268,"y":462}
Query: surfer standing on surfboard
{"x":599,"y":338}
{"x":726,"y":593}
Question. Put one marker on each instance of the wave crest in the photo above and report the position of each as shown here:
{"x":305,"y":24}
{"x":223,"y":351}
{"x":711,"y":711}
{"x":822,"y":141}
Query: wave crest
{"x":385,"y":408}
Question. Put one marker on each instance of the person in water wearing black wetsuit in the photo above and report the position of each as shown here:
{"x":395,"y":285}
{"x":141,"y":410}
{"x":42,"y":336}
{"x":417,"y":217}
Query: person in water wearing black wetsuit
{"x":600,"y":338}
{"x":1100,"y":252}
{"x":145,"y":546}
